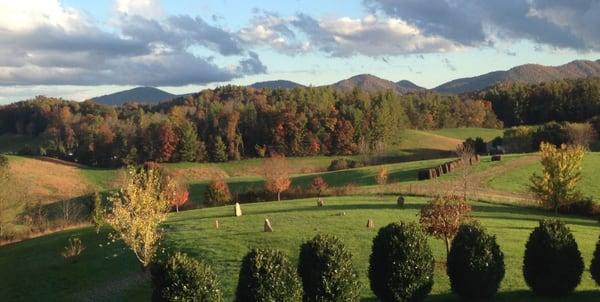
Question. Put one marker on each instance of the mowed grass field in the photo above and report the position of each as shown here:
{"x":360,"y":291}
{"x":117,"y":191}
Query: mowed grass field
{"x":517,"y":179}
{"x":35,"y":271}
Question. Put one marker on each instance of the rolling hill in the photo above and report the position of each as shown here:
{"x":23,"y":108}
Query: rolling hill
{"x":371,"y":83}
{"x":147,"y":95}
{"x":277,"y":84}
{"x":528,"y":73}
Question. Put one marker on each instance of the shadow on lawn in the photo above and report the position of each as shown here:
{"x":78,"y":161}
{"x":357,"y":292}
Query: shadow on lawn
{"x":521,"y":213}
{"x":517,"y":296}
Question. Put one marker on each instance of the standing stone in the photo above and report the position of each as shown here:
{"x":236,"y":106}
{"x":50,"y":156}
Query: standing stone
{"x":268,"y":227}
{"x":216,"y":224}
{"x":370,"y":224}
{"x":320,"y":202}
{"x":238,"y":210}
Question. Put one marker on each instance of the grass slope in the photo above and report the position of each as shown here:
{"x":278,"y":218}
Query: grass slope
{"x":517,"y":180}
{"x":34,"y":270}
{"x":464,"y":133}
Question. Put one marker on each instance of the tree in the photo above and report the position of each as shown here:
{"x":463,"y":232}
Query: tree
{"x":319,"y":185}
{"x":188,"y":142}
{"x":382,"y":176}
{"x":277,"y":178}
{"x":217,"y":193}
{"x":581,"y":134}
{"x":561,"y":172}
{"x":168,"y":142}
{"x":97,"y":212}
{"x":465,"y":153}
{"x":137,"y":210}
{"x":218,"y":150}
{"x":442,"y":217}
{"x":176,"y":192}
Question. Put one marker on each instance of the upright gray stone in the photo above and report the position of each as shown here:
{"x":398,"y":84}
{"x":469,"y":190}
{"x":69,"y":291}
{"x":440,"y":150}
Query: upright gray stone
{"x":268,"y":227}
{"x":238,"y":210}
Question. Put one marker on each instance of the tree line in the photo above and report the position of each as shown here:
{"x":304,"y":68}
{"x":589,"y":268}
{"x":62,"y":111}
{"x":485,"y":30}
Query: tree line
{"x":532,"y":104}
{"x":232,"y":122}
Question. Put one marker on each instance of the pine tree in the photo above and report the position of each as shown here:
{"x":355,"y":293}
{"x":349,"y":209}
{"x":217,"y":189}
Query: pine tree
{"x":188,"y":143}
{"x":218,"y":150}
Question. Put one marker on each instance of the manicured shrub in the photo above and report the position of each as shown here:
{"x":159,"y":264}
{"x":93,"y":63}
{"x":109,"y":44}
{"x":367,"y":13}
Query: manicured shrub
{"x":401,"y":263}
{"x":326,"y":269}
{"x":267,"y":275}
{"x":181,"y":278}
{"x":552,"y":265}
{"x":217,"y":193}
{"x":475,"y":263}
{"x":595,"y":266}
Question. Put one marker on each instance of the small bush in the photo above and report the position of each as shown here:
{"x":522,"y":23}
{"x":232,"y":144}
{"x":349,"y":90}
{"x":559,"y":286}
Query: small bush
{"x":217,"y":193}
{"x":342,"y":164}
{"x":182,"y":278}
{"x":267,"y":275}
{"x":595,"y":265}
{"x":73,"y":249}
{"x":326,"y":269}
{"x":585,"y":207}
{"x":475,"y":263}
{"x":552,"y":265}
{"x":401,"y":263}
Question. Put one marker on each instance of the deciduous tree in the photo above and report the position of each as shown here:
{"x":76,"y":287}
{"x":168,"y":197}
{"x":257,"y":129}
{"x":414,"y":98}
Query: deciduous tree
{"x":561,"y":172}
{"x":137,"y":210}
{"x":277,"y":178}
{"x":319,"y":185}
{"x":442,"y":217}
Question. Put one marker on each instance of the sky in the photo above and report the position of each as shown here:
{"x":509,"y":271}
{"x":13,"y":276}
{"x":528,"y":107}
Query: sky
{"x":79,"y":49}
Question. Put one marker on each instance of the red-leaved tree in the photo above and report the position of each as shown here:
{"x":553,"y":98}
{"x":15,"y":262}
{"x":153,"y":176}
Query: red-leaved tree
{"x":442,"y":217}
{"x":319,"y":185}
{"x":176,"y":192}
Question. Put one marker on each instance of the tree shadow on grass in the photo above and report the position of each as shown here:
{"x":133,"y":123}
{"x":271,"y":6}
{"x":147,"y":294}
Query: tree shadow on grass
{"x":521,"y":213}
{"x":516,"y":296}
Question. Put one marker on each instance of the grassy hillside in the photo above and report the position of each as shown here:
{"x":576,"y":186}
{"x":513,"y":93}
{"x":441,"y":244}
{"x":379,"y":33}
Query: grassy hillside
{"x":517,"y":179}
{"x":464,"y":133}
{"x":42,"y":274}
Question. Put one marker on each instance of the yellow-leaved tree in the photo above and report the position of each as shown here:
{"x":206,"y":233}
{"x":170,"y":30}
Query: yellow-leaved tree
{"x":561,"y":172}
{"x":137,"y":210}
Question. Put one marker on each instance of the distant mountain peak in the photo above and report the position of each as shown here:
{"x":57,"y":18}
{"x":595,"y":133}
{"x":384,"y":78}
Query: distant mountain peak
{"x":371,"y":83}
{"x":276,"y":84}
{"x":146,"y":95}
{"x":527,"y":73}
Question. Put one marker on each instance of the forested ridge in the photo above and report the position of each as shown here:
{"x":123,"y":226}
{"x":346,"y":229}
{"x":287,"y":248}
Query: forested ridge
{"x":232,"y":122}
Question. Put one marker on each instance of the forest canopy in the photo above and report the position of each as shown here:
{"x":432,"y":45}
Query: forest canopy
{"x":232,"y":122}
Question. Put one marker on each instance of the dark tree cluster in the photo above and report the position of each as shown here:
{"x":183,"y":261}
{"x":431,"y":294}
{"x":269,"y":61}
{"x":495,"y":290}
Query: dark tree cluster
{"x":532,"y":104}
{"x":231,"y":122}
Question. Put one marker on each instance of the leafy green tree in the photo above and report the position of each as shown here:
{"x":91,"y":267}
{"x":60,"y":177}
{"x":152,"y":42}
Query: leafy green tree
{"x":561,"y":172}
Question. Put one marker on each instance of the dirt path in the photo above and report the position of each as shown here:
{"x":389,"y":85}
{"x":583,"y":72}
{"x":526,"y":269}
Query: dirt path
{"x":478,"y":184}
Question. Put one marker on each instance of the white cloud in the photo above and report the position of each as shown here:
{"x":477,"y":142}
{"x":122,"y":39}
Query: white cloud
{"x":146,"y":8}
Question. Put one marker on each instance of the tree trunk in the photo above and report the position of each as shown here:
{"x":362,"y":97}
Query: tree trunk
{"x":177,"y":208}
{"x":278,"y":196}
{"x":447,"y":241}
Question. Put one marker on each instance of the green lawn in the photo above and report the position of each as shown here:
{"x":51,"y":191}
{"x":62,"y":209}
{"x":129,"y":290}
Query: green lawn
{"x":517,"y":180}
{"x":464,"y":133}
{"x":35,"y":271}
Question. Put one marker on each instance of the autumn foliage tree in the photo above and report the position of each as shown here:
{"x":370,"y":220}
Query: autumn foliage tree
{"x":442,"y":217}
{"x":561,"y":172}
{"x":277,"y":178}
{"x":176,"y":192}
{"x":217,"y":193}
{"x":136,"y":212}
{"x":319,"y":185}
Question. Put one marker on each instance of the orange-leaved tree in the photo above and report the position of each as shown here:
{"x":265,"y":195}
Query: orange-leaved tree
{"x":319,"y":185}
{"x":442,"y":217}
{"x":176,"y":192}
{"x":277,"y":178}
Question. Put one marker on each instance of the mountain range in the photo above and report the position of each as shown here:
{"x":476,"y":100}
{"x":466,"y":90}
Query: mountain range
{"x":528,"y":73}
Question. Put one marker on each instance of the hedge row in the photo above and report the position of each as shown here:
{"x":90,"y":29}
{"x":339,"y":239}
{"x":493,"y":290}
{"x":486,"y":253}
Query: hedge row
{"x":401,"y":268}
